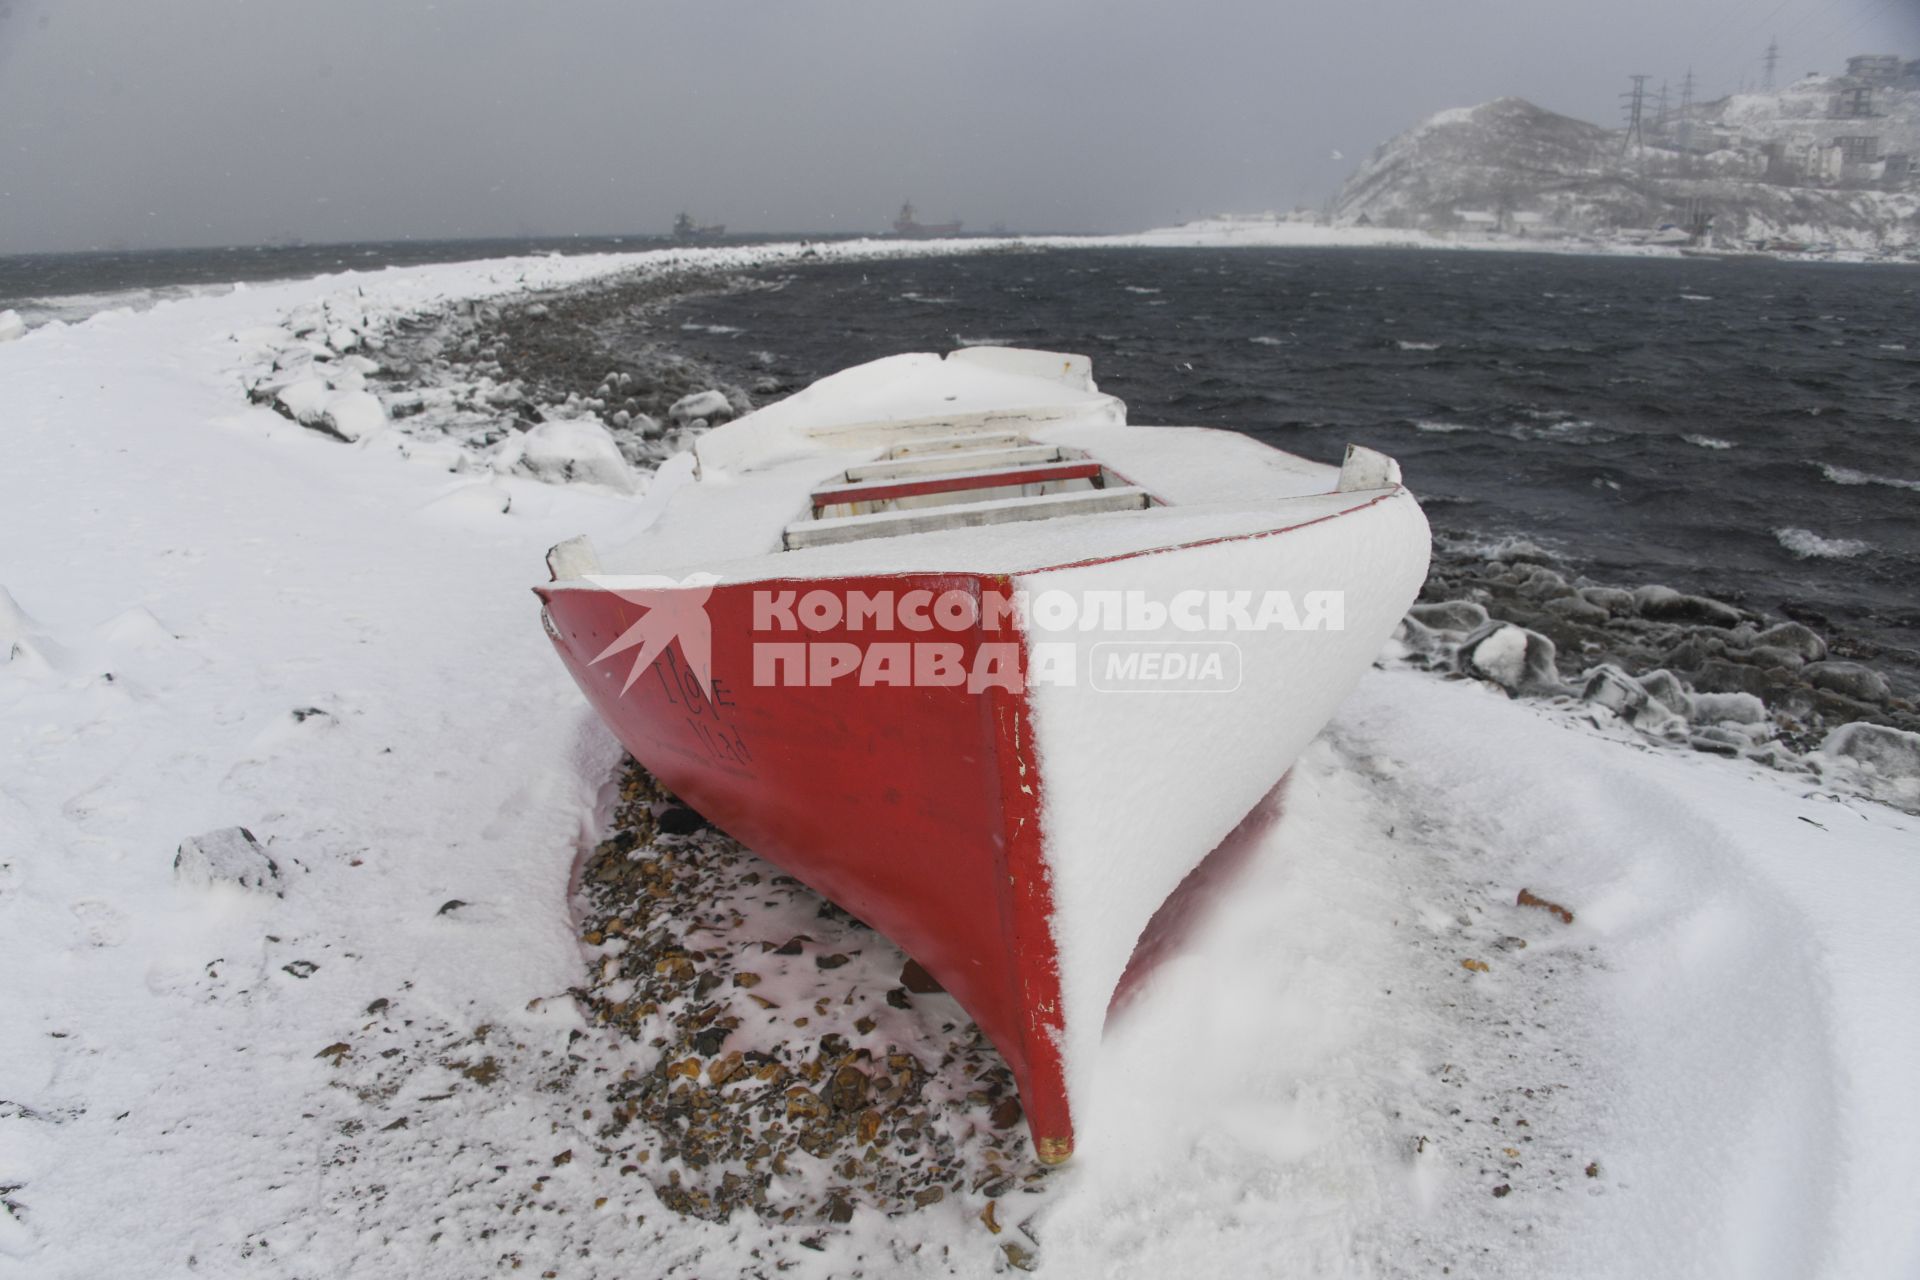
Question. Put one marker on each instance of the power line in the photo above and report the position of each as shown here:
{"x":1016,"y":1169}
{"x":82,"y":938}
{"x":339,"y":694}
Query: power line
{"x":1858,"y":21}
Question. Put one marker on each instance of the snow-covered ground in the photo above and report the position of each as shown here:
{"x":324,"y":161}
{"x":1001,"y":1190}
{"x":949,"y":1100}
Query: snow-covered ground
{"x":216,"y":617}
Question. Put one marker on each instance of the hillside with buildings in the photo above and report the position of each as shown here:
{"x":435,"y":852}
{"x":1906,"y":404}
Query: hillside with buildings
{"x":1827,"y":160}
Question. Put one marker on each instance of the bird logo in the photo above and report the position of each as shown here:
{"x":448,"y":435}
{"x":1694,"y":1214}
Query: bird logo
{"x":675,"y":610}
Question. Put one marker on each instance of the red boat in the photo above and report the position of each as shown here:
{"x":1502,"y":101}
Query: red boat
{"x":949,"y":641}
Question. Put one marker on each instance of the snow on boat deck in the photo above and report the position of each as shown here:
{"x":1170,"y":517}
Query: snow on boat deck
{"x":1725,"y":1034}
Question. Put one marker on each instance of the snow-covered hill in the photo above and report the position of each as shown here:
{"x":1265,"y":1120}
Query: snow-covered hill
{"x":1828,"y":160}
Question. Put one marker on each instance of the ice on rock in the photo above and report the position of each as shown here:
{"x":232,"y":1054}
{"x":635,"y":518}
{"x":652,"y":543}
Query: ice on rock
{"x":304,"y":400}
{"x":1613,"y":600}
{"x":1450,"y":615}
{"x":570,"y":451}
{"x":703,"y":404}
{"x":1883,"y":761}
{"x":1610,"y":687}
{"x":1849,"y":679}
{"x":341,"y":378}
{"x":1416,"y":636}
{"x":1729,"y":708}
{"x":1664,"y":604}
{"x":11,"y":326}
{"x":228,"y":856}
{"x":352,"y":415}
{"x":1516,"y":659}
{"x":1794,"y":638}
{"x":1575,"y":609}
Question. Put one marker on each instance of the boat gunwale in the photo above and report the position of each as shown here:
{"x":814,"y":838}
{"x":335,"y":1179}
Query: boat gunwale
{"x":615,"y":582}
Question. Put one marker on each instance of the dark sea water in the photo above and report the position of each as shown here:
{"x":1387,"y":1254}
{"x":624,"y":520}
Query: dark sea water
{"x":1748,"y":429}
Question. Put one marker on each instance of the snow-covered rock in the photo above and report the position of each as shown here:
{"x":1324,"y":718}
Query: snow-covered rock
{"x":11,"y":326}
{"x":228,"y":856}
{"x":352,"y":415}
{"x":1610,"y":687}
{"x":304,"y":400}
{"x":570,"y":451}
{"x":1883,"y":761}
{"x":1795,"y":638}
{"x":1450,"y":615}
{"x":1849,"y":679}
{"x":702,"y":404}
{"x":1516,"y":659}
{"x":1664,"y":604}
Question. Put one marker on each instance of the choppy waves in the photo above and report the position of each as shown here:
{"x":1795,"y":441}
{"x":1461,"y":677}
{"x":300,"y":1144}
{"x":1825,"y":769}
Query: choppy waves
{"x":1808,"y":545}
{"x":1848,"y":476}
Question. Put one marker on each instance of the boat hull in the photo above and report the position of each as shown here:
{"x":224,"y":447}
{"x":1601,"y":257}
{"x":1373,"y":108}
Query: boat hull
{"x":915,"y":807}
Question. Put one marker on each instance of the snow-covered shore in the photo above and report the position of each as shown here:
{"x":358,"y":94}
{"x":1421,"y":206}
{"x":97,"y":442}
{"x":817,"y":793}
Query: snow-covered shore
{"x":217,"y":617}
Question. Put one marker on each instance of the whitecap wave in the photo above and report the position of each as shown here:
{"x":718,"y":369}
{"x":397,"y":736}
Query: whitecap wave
{"x":1809,"y":545}
{"x":1708,"y":442}
{"x":1418,"y":346}
{"x":1848,"y":476}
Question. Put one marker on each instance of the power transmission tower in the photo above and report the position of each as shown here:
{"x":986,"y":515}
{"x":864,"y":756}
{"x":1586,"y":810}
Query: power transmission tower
{"x":1772,"y":60}
{"x":1660,"y":112}
{"x":1686,"y":122}
{"x":1636,"y":105}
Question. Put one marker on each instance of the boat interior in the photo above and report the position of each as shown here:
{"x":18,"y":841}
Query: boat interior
{"x":961,"y":481}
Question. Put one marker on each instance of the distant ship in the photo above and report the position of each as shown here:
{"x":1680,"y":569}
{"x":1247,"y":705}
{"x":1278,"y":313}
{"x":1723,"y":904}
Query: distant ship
{"x":685,"y":228}
{"x":907,"y":225}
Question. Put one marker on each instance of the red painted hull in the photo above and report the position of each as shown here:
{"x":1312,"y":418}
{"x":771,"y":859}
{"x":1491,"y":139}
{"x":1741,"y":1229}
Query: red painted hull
{"x":915,"y":808}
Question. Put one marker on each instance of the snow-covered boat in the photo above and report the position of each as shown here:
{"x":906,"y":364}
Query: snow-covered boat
{"x":949,"y":641}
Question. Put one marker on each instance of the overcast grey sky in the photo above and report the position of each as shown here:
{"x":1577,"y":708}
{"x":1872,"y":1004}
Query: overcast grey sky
{"x":198,"y":122}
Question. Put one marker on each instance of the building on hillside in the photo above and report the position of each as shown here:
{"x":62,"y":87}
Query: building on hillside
{"x":1477,"y":222}
{"x":1876,"y":68}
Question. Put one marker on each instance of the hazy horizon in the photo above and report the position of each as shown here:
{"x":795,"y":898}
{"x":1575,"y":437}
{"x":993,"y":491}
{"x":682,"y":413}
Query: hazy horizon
{"x":206,"y":123}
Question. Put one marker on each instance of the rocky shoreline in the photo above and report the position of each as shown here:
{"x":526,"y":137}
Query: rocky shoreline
{"x":793,"y":1062}
{"x":1685,"y":670}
